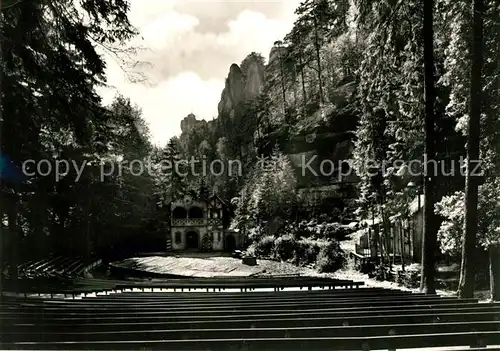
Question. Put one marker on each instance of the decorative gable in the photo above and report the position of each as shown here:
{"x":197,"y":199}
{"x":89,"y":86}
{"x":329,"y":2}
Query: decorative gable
{"x":215,"y":202}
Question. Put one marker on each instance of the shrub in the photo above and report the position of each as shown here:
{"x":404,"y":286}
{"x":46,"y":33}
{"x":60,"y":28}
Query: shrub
{"x":367,"y":267}
{"x":330,"y":256}
{"x":382,"y":272}
{"x":284,"y":247}
{"x":350,"y":264}
{"x":250,"y":250}
{"x":409,"y":278}
{"x":327,"y":254}
{"x":306,"y":251}
{"x":299,"y":230}
{"x":256,"y":233}
{"x":263,"y":247}
{"x":330,"y":231}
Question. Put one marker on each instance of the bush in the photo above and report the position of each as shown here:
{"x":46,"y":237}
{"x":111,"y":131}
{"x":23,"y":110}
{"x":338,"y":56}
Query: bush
{"x":367,"y":267}
{"x":256,"y":233}
{"x":409,"y":278}
{"x":284,"y":247}
{"x":330,"y":231}
{"x":327,"y":254}
{"x":330,"y":257}
{"x":263,"y":247}
{"x":350,"y":264}
{"x":299,"y":230}
{"x":382,"y":272}
{"x":306,"y":251}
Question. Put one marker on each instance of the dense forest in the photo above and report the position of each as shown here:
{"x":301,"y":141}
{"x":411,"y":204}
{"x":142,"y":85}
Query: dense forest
{"x":386,"y":81}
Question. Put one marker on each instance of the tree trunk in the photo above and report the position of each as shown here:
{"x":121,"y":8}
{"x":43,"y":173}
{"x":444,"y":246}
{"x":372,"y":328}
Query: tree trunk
{"x":402,"y":232}
{"x":429,"y":238}
{"x":283,"y":89}
{"x":411,"y":234}
{"x":14,"y":242}
{"x":88,"y":224}
{"x":318,"y":59}
{"x":494,"y":253}
{"x":467,"y":270}
{"x":393,"y":248}
{"x":294,"y":86}
{"x":2,"y":231}
{"x":304,"y":94}
{"x":386,"y":232}
{"x":378,"y":243}
{"x":387,"y":243}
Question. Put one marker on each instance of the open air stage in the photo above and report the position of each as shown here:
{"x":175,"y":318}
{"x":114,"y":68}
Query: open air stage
{"x":201,"y":265}
{"x":187,"y":265}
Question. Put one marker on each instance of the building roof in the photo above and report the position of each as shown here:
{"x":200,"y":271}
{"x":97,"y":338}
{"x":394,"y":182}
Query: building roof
{"x":215,"y":196}
{"x":197,"y":198}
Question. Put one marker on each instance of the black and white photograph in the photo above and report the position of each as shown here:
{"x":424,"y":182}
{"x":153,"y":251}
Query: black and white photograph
{"x":250,"y":175}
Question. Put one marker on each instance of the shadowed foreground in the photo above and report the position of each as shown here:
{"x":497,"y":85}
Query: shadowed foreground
{"x":329,"y":314}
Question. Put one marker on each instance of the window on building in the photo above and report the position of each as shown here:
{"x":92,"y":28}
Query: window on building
{"x":219,"y":236}
{"x":195,"y":212}
{"x":179,"y":212}
{"x":178,"y":237}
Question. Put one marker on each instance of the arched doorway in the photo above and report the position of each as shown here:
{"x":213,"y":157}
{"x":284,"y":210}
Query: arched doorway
{"x":230,"y":243}
{"x":192,"y":240}
{"x":206,"y":243}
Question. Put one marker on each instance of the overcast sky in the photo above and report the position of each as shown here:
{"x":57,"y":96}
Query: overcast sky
{"x":191,"y":44}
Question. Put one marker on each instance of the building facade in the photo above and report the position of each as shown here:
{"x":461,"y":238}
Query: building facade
{"x":197,"y":225}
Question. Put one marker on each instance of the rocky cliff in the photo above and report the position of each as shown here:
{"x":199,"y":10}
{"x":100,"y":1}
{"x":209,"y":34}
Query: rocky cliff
{"x":254,"y":79}
{"x":190,"y":122}
{"x":322,"y":134}
{"x":241,"y":86}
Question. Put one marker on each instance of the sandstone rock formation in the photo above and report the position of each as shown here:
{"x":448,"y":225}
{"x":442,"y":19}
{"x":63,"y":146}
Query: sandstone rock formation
{"x":254,"y":80}
{"x":190,"y":122}
{"x":241,"y":86}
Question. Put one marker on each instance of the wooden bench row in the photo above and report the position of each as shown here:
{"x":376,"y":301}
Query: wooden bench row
{"x":201,"y":294}
{"x":389,"y":342}
{"x":21,"y":325}
{"x":20,"y":315}
{"x":337,"y":319}
{"x":277,"y":331}
{"x":229,"y":310}
{"x":257,"y":283}
{"x":67,"y":288}
{"x":53,"y":266}
{"x":47,"y":284}
{"x":158,"y":295}
{"x":163,"y":296}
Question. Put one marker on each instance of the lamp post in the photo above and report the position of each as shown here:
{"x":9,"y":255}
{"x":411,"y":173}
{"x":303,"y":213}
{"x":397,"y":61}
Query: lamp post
{"x":413,"y":185}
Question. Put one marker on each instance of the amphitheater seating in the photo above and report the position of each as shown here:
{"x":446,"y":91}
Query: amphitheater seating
{"x":73,"y":287}
{"x":340,"y":316}
{"x":52,"y":267}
